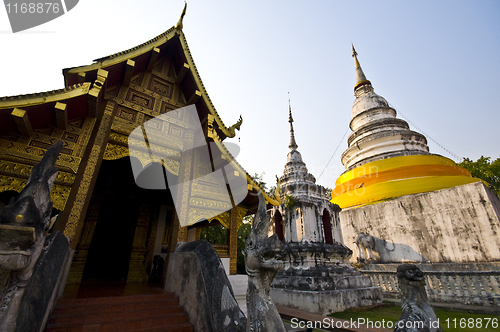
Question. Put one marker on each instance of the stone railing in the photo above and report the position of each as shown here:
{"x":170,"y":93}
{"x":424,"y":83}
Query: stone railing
{"x":462,"y":287}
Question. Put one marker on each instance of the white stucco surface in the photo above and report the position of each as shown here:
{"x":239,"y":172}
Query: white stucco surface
{"x":459,"y":224}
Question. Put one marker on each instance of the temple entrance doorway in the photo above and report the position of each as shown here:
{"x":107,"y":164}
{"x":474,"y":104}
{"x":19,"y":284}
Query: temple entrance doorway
{"x":125,"y":227}
{"x":111,"y":246}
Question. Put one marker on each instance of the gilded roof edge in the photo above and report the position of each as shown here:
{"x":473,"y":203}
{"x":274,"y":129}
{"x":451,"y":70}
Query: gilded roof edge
{"x":45,"y":97}
{"x":125,"y":55}
{"x":229,"y":132}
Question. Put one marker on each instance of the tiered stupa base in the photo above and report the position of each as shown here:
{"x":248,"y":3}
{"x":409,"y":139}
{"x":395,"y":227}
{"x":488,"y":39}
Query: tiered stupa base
{"x":319,"y":279}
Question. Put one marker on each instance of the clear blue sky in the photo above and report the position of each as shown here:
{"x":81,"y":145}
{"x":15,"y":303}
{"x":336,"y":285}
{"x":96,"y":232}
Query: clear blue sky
{"x":436,"y":62}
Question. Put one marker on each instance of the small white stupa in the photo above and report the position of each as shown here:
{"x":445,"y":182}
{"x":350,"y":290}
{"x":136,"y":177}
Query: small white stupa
{"x":317,"y":276}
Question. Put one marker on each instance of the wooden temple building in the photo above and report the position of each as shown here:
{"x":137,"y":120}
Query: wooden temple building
{"x":115,"y":227}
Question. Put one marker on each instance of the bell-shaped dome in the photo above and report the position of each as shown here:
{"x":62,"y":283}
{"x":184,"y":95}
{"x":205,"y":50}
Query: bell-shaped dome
{"x":367,"y":100}
{"x":385,"y":159}
{"x":294,"y":157}
{"x":377,"y":133}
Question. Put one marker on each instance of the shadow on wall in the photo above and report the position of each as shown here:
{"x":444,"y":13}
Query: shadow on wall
{"x":376,"y":250}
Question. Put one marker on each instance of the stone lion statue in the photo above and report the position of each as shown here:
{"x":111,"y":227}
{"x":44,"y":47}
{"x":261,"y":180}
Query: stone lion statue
{"x":417,"y":315}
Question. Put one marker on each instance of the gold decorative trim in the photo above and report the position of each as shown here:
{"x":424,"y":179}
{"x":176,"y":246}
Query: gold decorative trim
{"x":59,"y":194}
{"x":85,"y":133}
{"x":233,"y":241}
{"x":90,"y":169}
{"x":11,"y":183}
{"x":118,"y":138}
{"x":114,"y":152}
{"x":24,"y":171}
{"x":45,"y":97}
{"x":242,"y":212}
{"x":224,"y":218}
{"x":210,"y":204}
{"x":8,"y":148}
{"x":172,"y":166}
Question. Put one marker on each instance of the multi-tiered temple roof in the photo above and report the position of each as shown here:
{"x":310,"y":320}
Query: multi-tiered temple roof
{"x":95,"y":114}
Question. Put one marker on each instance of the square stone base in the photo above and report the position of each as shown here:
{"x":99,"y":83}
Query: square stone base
{"x":326,"y":302}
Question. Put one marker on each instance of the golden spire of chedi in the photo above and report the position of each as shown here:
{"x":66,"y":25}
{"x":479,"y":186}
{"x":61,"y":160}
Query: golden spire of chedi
{"x":360,"y":76}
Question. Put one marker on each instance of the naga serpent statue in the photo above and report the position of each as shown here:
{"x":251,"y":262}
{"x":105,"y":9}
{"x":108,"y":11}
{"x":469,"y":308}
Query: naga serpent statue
{"x":417,"y":313}
{"x":262,"y":264}
{"x":24,"y":224}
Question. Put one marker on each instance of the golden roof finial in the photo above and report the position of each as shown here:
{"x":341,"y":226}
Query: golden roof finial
{"x":290,"y":118}
{"x":179,"y":26}
{"x":360,"y":76}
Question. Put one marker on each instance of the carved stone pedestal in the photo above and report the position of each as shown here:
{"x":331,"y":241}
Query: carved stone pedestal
{"x":319,"y":279}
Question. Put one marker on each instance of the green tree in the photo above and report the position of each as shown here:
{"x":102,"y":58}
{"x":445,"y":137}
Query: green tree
{"x":259,"y":179}
{"x":328,"y":193}
{"x":486,"y":170}
{"x":216,"y":234}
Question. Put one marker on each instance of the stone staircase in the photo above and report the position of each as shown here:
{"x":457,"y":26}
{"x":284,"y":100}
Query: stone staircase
{"x":139,"y":313}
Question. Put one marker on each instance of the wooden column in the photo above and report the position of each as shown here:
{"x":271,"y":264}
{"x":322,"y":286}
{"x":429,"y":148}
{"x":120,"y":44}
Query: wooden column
{"x":233,"y":240}
{"x":71,"y":219}
{"x":178,"y":233}
{"x":197,"y":235}
{"x":137,"y":265}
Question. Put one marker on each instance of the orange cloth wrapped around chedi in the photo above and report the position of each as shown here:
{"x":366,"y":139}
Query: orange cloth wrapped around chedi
{"x":388,"y":178}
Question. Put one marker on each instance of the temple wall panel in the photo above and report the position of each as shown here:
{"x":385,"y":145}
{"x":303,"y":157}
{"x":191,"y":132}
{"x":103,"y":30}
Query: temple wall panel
{"x":149,"y":95}
{"x":29,"y":150}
